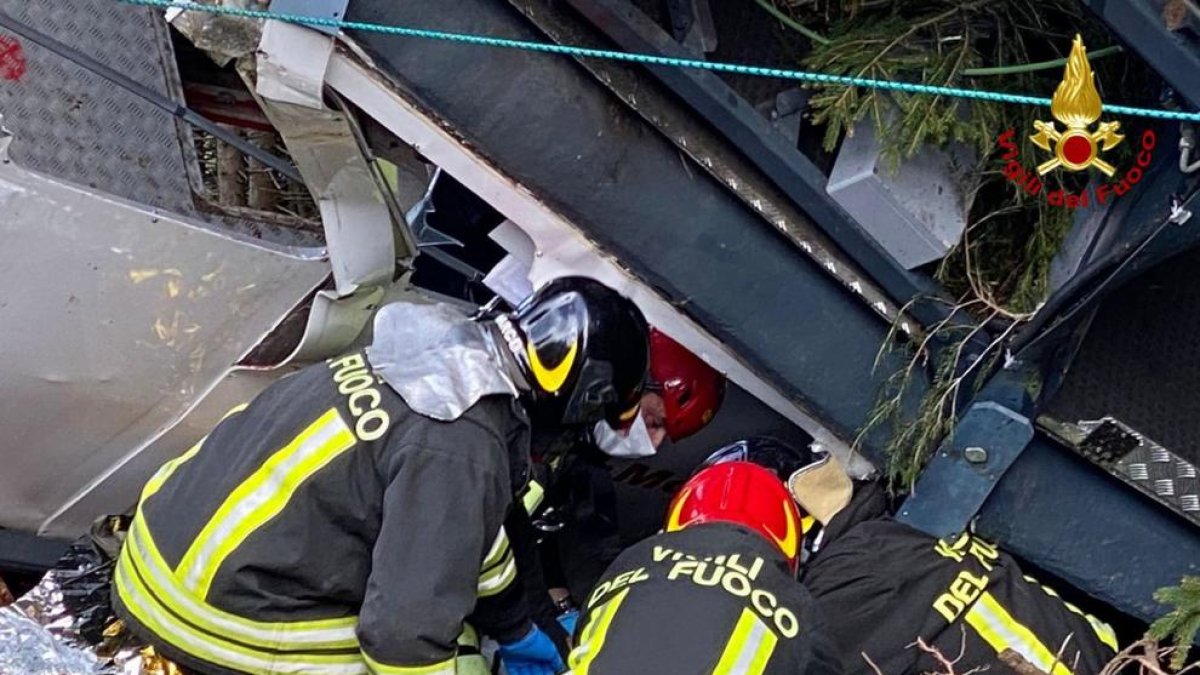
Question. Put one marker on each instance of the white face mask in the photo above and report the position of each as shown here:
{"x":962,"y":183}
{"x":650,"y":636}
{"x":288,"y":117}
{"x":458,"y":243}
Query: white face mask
{"x":634,"y":444}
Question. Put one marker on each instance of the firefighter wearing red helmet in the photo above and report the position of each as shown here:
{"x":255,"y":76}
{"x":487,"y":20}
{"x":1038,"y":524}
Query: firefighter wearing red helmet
{"x":683,"y":394}
{"x":714,"y":593}
{"x":884,"y":586}
{"x":571,"y":499}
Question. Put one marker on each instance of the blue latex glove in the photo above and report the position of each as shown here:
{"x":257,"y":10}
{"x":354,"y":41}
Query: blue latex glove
{"x":534,"y":654}
{"x":568,"y":620}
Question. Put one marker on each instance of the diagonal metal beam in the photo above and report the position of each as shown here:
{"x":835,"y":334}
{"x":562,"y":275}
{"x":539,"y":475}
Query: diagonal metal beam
{"x":770,"y":151}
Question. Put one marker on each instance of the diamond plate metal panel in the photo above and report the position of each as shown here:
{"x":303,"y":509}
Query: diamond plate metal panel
{"x":77,"y":126}
{"x":1145,"y":464}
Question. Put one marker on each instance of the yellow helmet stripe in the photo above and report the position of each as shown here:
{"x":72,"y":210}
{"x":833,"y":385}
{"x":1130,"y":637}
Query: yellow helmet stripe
{"x":673,"y":523}
{"x":551,"y":379}
{"x":790,"y":540}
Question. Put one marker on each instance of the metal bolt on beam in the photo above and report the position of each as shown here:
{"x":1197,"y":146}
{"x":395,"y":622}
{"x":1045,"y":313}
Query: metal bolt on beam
{"x":975,"y":454}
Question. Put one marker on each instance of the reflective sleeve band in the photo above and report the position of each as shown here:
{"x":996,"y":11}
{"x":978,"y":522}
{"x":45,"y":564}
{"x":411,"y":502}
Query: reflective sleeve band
{"x":533,"y":497}
{"x":1000,"y":630}
{"x":595,"y":632}
{"x":498,"y":550}
{"x":261,"y":497}
{"x":749,"y":647}
{"x":499,"y":568}
{"x":469,"y":637}
{"x":498,"y":578}
{"x":441,"y":668}
{"x":1103,"y":631}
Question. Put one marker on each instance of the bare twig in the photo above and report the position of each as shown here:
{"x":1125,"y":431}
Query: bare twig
{"x":1149,"y":658}
{"x":871,"y":663}
{"x":1062,"y":650}
{"x":946,"y":665}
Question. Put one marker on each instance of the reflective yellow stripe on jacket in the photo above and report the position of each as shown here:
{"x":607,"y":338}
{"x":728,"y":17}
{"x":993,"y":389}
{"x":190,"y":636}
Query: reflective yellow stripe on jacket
{"x":591,"y":641}
{"x":499,"y":567}
{"x":146,"y":588}
{"x":533,"y":496}
{"x":1000,"y":630}
{"x":444,"y":668}
{"x":156,"y":481}
{"x":153,"y":593}
{"x":1103,"y":631}
{"x":749,"y":647}
{"x":261,"y":497}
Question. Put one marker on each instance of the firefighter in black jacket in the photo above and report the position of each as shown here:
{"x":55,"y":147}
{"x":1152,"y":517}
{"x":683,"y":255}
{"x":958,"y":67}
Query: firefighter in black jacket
{"x":349,"y":519}
{"x":715,"y":593}
{"x":964,"y":597}
{"x":883,"y":586}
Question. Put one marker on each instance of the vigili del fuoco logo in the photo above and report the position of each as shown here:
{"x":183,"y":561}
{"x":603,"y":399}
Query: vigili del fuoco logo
{"x":1075,"y":145}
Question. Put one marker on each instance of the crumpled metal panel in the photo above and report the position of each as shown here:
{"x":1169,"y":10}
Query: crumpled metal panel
{"x":116,"y":324}
{"x":358,"y":226}
{"x":223,"y":37}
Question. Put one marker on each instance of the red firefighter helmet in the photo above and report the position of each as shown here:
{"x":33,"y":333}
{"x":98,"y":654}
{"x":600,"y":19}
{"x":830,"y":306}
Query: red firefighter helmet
{"x":691,"y":389}
{"x":744,"y":494}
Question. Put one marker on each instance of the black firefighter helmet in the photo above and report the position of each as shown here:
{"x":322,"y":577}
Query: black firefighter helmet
{"x":584,"y":350}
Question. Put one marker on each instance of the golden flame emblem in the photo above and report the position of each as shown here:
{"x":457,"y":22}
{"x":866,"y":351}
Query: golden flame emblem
{"x":1076,"y":104}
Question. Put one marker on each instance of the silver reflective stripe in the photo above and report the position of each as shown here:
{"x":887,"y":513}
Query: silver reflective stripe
{"x":498,"y":547}
{"x":498,"y":580}
{"x":750,"y":649}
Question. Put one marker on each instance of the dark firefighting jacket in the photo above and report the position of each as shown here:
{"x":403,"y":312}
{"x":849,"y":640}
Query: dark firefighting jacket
{"x":883,"y":585}
{"x":712,"y":598}
{"x":328,"y":528}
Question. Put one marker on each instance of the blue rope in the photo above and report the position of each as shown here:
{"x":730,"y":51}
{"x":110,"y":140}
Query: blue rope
{"x":652,"y":60}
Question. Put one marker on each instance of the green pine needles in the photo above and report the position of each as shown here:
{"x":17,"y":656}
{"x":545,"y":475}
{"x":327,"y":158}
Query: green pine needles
{"x":1182,"y":623}
{"x":1000,"y":269}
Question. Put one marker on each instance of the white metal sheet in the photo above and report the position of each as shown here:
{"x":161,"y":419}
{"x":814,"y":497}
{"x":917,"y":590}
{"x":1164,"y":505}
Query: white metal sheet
{"x":115,"y":322}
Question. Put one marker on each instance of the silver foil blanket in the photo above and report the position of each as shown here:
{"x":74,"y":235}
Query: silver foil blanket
{"x":64,"y":625}
{"x":30,"y":648}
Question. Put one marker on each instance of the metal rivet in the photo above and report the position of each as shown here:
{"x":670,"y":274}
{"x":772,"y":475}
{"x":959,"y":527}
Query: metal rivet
{"x":975,"y":454}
